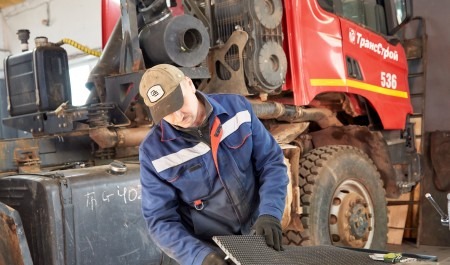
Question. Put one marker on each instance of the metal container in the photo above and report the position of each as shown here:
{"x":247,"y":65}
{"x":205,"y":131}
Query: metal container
{"x":83,"y":216}
{"x":37,"y":80}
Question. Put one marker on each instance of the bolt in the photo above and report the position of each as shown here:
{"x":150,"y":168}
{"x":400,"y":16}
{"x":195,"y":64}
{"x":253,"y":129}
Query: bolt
{"x":39,"y":129}
{"x":351,"y":238}
{"x":336,"y":238}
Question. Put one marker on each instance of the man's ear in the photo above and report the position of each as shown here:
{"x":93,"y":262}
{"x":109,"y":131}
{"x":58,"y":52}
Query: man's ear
{"x":190,"y":84}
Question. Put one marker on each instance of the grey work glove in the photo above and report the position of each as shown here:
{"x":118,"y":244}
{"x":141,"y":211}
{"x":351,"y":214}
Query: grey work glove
{"x":269,"y":227}
{"x":214,"y":259}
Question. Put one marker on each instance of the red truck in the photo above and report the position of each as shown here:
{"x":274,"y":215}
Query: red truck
{"x":328,"y":78}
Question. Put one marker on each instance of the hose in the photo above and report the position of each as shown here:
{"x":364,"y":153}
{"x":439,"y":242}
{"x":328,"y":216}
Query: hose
{"x":79,"y":46}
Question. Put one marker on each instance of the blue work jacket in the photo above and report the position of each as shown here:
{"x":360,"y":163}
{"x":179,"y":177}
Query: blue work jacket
{"x":185,"y":201}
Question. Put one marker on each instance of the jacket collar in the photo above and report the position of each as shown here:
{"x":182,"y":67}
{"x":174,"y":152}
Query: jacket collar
{"x":169,"y":133}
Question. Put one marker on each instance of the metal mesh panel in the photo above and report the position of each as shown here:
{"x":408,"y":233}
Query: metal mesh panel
{"x":252,"y":250}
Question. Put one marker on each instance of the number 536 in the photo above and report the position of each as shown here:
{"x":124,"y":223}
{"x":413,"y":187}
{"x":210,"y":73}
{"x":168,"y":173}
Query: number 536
{"x":388,"y":80}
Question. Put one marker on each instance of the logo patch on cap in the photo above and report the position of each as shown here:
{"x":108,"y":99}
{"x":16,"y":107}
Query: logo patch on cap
{"x":155,"y":93}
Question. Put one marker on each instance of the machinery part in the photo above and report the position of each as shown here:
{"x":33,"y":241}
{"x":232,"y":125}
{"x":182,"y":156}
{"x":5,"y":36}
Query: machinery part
{"x":253,"y":250}
{"x":272,"y":64}
{"x":108,"y":64}
{"x":98,"y":115}
{"x":41,"y":41}
{"x":117,"y":167}
{"x":153,"y":11}
{"x":269,"y":12}
{"x":200,"y":9}
{"x":343,"y":199}
{"x":24,"y":36}
{"x":13,"y":244}
{"x":227,"y":71}
{"x":285,"y":133}
{"x":183,"y":41}
{"x":273,"y":110}
{"x":37,"y":80}
{"x":265,"y":63}
{"x":292,"y":206}
{"x":131,"y":58}
{"x":118,"y":137}
{"x":79,"y":46}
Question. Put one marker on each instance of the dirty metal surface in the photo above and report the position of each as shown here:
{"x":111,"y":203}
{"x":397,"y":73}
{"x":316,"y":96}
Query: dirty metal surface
{"x":440,"y":155}
{"x":13,"y":245}
{"x":252,"y":250}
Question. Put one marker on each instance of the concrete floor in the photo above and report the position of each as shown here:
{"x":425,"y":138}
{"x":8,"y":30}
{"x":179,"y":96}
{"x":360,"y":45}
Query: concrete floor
{"x":442,"y":253}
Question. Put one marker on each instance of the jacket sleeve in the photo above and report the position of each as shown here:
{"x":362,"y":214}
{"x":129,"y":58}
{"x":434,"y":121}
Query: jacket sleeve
{"x":159,"y":207}
{"x":271,"y":172}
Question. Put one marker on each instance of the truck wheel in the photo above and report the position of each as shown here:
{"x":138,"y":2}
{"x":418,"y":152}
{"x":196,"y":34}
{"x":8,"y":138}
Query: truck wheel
{"x":343,"y":200}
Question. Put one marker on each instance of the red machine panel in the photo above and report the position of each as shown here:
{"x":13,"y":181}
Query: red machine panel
{"x":319,"y":45}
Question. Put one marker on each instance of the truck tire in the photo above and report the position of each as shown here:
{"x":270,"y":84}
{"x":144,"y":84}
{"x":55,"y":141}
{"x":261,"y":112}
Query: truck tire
{"x":343,"y":200}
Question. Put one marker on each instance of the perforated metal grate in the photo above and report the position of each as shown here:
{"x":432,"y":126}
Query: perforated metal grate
{"x":252,"y":250}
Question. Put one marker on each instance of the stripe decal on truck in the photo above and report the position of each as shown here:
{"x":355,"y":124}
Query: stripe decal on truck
{"x":359,"y":85}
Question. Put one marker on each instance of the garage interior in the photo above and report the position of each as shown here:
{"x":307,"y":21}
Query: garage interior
{"x":414,"y":225}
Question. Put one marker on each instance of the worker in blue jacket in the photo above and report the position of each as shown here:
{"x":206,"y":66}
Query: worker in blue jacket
{"x":208,"y":168}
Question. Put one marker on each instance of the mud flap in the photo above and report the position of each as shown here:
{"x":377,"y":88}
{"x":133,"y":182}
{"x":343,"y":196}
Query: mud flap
{"x":13,"y":244}
{"x":440,"y":155}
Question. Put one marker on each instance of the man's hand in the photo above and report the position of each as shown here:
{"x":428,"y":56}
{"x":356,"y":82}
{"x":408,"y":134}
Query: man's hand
{"x":269,"y":227}
{"x":214,"y":259}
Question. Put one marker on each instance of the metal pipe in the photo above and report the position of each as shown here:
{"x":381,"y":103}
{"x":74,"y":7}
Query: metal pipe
{"x":324,"y":117}
{"x":108,"y":64}
{"x":268,"y":110}
{"x":274,"y":110}
{"x":122,"y":137}
{"x":153,"y":10}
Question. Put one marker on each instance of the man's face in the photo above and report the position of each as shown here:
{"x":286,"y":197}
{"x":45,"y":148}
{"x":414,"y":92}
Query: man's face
{"x":187,"y":115}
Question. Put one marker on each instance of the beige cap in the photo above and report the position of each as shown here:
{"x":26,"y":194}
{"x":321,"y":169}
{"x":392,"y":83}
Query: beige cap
{"x":160,"y":88}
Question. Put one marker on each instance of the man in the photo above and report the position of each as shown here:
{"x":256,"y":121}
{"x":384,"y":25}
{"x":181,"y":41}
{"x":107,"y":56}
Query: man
{"x":208,"y":167}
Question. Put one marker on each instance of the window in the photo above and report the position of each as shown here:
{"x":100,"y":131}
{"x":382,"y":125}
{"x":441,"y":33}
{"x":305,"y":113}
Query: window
{"x":365,"y":12}
{"x":79,"y":70}
{"x":384,"y":17}
{"x":400,"y":7}
{"x":353,"y":10}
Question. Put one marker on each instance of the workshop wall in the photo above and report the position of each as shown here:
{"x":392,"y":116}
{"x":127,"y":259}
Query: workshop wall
{"x":55,"y":19}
